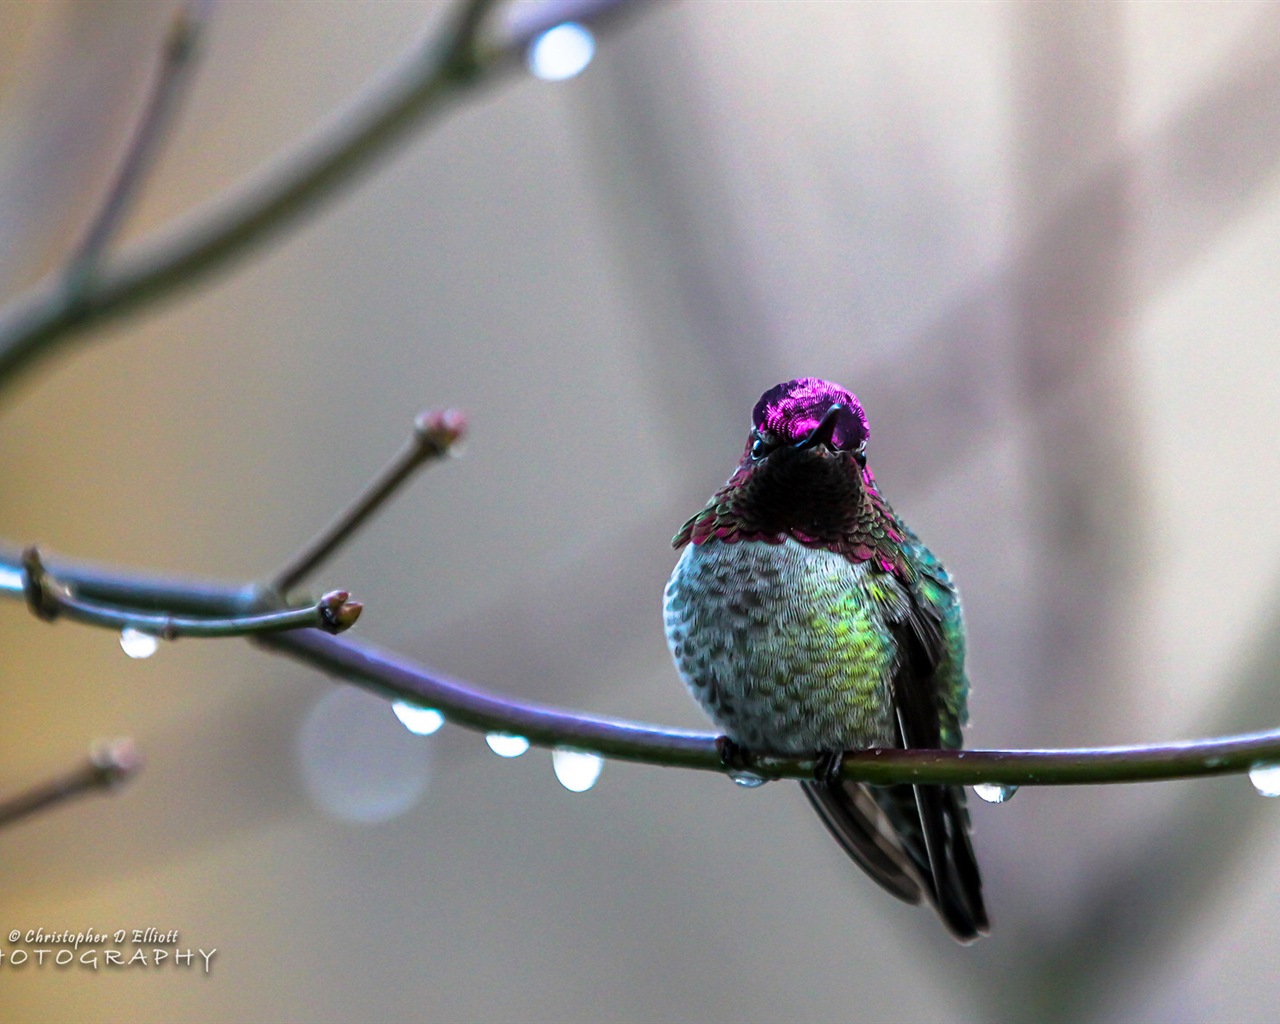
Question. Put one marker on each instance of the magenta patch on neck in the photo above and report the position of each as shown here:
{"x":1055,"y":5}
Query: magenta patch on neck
{"x":792,"y":410}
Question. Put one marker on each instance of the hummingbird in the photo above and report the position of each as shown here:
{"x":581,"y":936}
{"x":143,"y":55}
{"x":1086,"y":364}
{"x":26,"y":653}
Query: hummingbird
{"x":808,"y":620}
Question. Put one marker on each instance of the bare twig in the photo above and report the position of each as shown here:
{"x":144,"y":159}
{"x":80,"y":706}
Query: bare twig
{"x":129,"y":589}
{"x":176,"y":63}
{"x":49,"y":598}
{"x":35,"y":323}
{"x":400,"y":679}
{"x":109,"y":765}
{"x":434,"y":435}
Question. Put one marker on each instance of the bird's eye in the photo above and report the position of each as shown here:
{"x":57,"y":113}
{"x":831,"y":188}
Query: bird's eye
{"x":760,"y":447}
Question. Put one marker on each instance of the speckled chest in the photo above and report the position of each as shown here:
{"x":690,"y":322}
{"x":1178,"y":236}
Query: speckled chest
{"x":786,"y":647}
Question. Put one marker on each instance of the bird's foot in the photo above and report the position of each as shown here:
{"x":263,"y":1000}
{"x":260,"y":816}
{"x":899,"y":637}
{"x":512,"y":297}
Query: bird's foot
{"x":830,"y":763}
{"x":733,"y":756}
{"x":736,"y":762}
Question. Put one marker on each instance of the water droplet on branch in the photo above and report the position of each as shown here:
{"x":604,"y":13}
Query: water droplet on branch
{"x":418,"y":720}
{"x":137,"y":644}
{"x":994,"y":792}
{"x":505,"y":745}
{"x":576,"y":769}
{"x":748,"y":780}
{"x":1266,"y":779}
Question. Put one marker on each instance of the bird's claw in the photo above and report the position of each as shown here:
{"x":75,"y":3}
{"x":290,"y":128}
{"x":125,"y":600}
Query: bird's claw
{"x":733,"y":756}
{"x":829,"y":766}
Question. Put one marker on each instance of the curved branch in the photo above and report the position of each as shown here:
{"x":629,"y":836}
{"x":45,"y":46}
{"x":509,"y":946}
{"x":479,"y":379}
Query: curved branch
{"x":419,"y":86}
{"x":400,"y":679}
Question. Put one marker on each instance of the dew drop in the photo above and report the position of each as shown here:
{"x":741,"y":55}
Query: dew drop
{"x":137,"y":644}
{"x":993,"y":792}
{"x":419,"y":721}
{"x":576,"y":769}
{"x":561,"y":52}
{"x":748,"y":780}
{"x":1266,"y":779}
{"x":505,"y":745}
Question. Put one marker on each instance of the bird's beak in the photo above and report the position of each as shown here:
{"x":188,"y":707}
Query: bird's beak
{"x":823,"y":432}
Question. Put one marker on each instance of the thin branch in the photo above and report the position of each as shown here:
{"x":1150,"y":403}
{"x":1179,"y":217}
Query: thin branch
{"x":401,"y":679}
{"x":109,"y":765}
{"x":49,"y":599}
{"x":127,"y":588}
{"x":176,"y":63}
{"x":35,"y":323}
{"x":434,"y":435}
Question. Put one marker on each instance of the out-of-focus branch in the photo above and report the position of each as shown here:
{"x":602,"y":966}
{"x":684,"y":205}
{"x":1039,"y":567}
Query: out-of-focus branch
{"x":109,"y":765}
{"x":434,"y":435}
{"x":421,"y":85}
{"x":50,"y":599}
{"x":176,"y":64}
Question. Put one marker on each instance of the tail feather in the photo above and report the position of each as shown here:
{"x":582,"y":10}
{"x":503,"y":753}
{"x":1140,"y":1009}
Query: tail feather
{"x":914,"y":841}
{"x":955,"y":882}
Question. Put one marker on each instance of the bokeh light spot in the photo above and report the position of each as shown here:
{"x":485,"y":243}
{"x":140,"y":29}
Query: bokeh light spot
{"x":358,"y":764}
{"x":561,"y":52}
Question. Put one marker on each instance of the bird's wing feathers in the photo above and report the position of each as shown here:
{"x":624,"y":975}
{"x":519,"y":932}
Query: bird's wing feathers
{"x":860,"y":824}
{"x":913,"y":840}
{"x":950,"y":868}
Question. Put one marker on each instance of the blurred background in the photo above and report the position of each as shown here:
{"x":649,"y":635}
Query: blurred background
{"x":1038,"y":240}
